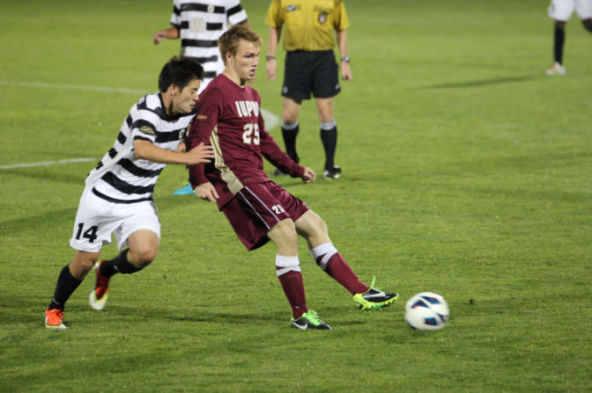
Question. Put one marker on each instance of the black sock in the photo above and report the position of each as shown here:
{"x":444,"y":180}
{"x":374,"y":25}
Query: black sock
{"x":329,"y":138}
{"x":119,"y":264}
{"x":290,"y":141}
{"x":558,"y":47}
{"x":65,"y":287}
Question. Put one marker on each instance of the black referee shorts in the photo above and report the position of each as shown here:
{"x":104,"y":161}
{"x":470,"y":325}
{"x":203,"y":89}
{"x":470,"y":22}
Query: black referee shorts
{"x":310,"y":71}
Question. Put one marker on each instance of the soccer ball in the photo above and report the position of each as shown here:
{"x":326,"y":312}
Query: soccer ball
{"x":426,"y":311}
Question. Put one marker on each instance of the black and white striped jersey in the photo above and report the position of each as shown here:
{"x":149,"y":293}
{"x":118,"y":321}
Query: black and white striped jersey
{"x":200,"y":24}
{"x":120,"y":176}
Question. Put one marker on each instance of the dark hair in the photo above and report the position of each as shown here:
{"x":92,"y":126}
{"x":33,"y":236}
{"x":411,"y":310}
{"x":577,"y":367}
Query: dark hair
{"x":179,"y":71}
{"x":228,"y":42}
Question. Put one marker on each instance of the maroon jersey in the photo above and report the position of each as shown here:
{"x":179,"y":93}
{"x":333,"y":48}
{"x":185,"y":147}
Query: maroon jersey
{"x":229,"y":118}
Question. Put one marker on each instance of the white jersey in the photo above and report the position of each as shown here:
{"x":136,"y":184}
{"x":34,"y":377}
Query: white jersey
{"x":562,"y":10}
{"x":121,"y":177}
{"x":200,"y":24}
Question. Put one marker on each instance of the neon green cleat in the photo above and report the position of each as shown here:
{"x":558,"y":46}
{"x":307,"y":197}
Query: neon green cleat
{"x":310,"y":320}
{"x":374,"y":299}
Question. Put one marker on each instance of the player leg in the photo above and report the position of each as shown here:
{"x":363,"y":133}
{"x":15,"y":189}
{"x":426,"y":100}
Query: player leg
{"x":138,"y":236}
{"x":314,"y":229}
{"x":283,"y":235}
{"x":257,"y":216}
{"x":92,"y":229}
{"x":560,"y":11}
{"x":70,"y":277}
{"x":559,"y":40}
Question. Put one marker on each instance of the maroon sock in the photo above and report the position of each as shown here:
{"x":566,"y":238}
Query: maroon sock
{"x":338,"y":268}
{"x":294,"y":290}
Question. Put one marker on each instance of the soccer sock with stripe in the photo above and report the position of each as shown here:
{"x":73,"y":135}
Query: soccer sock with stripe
{"x":65,"y":287}
{"x":119,"y":264}
{"x":290,"y":132}
{"x":329,"y":139}
{"x":331,"y":261}
{"x":288,"y":272}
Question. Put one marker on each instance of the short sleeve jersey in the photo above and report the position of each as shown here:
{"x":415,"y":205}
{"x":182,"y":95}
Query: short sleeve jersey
{"x":122,"y":177}
{"x":308,"y":24}
{"x":229,"y":118}
{"x":200,"y":24}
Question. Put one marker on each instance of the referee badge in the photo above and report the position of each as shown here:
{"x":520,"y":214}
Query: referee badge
{"x":323,"y":17}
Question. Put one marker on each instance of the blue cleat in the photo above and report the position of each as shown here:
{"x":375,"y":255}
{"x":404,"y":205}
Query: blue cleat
{"x":185,"y":190}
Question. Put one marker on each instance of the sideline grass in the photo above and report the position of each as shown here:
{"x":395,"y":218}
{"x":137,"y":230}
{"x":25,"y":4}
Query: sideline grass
{"x":467,"y":173}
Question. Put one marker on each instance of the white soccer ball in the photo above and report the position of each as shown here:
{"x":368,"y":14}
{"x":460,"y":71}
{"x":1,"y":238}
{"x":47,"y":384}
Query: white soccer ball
{"x":426,"y":311}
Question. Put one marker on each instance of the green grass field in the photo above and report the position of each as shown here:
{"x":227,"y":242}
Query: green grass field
{"x":467,"y":172}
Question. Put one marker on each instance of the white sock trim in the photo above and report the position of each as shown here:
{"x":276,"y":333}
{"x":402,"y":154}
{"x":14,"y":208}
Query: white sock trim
{"x":327,"y":250}
{"x":290,"y":127}
{"x":286,"y":264}
{"x":329,"y":125}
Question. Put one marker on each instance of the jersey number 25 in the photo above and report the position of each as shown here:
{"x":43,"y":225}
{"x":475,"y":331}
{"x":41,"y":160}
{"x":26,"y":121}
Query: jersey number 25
{"x":251,"y":134}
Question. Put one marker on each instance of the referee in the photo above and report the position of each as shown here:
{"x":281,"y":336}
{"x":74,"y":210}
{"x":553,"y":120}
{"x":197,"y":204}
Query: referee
{"x":310,"y":66}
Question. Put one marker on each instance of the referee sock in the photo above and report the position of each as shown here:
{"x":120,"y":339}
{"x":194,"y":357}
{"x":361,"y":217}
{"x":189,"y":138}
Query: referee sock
{"x":290,"y":132}
{"x":119,"y":264}
{"x":329,"y":139}
{"x":65,"y":287}
{"x":331,"y":261}
{"x":558,"y":46}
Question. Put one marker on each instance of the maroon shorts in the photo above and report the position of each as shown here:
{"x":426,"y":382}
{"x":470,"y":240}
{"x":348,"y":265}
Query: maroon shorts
{"x":256,"y":208}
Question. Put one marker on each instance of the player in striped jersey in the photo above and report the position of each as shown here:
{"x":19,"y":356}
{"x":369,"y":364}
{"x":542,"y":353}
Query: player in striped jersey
{"x":199,"y":24}
{"x":560,"y":11}
{"x":117,"y":198}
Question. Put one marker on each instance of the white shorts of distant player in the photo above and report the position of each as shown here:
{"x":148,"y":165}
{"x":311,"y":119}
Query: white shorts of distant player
{"x":561,"y":10}
{"x":98,"y":219}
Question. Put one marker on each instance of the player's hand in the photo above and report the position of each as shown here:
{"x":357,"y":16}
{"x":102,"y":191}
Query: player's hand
{"x":181,"y":148}
{"x":309,"y":175}
{"x":206,"y":191}
{"x":346,"y":72}
{"x":271,"y":69}
{"x":200,"y":154}
{"x":158,"y":36}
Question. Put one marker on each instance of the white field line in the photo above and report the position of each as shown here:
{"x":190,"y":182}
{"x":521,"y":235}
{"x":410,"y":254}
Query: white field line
{"x":72,"y":87}
{"x":48,"y":163}
{"x":271,"y":120}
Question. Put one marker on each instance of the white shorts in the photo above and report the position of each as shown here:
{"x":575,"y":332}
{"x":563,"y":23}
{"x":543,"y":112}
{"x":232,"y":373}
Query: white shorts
{"x":561,"y":10}
{"x":97,"y":219}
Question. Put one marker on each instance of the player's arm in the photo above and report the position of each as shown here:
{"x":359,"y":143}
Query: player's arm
{"x":201,"y":129}
{"x":171,"y":33}
{"x":200,"y":154}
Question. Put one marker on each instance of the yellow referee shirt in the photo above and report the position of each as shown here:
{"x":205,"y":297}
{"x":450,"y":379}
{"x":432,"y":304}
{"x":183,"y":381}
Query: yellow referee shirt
{"x":309,"y":24}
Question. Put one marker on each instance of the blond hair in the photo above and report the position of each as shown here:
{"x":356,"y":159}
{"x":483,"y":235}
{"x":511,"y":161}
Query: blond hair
{"x":228,"y":42}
